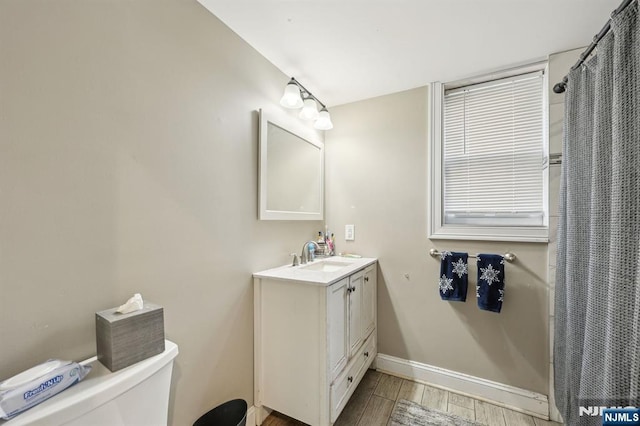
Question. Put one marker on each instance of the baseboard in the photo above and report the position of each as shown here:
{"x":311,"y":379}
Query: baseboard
{"x":260,"y":414}
{"x":251,"y":416}
{"x":524,"y":401}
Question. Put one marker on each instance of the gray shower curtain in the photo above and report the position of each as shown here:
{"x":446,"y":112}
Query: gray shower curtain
{"x":597,"y":304}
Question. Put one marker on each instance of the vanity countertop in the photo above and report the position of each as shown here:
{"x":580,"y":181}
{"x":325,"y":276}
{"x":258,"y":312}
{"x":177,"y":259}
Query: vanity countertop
{"x":322,"y":272}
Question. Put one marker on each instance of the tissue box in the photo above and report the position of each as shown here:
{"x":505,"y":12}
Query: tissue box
{"x":124,"y":339}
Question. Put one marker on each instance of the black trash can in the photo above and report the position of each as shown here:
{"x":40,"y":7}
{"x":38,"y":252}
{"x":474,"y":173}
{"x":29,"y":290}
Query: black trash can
{"x":231,"y":413}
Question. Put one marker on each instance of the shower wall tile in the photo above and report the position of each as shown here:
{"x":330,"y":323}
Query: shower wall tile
{"x":556,"y":119}
{"x":553,"y":250}
{"x":551,"y":337}
{"x":553,"y":240}
{"x":554,"y":189}
{"x":551,"y":385}
{"x":559,"y":65}
{"x":554,"y":414}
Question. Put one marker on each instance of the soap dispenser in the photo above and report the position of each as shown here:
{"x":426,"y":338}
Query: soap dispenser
{"x":322,"y":245}
{"x":312,"y":251}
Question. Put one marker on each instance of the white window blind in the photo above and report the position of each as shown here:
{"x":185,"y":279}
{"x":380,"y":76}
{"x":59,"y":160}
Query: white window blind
{"x":493,"y":152}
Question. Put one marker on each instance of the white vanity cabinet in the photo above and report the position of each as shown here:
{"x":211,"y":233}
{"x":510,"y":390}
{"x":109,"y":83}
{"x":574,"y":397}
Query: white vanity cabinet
{"x":315,"y":337}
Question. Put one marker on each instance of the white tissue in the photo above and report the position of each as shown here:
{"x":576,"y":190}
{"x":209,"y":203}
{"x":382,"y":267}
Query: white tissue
{"x":131,"y":305}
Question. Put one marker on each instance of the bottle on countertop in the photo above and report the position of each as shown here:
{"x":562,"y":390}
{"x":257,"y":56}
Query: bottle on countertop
{"x":331,"y":245}
{"x":322,"y":246}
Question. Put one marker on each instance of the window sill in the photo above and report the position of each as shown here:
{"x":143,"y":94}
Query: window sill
{"x":470,"y":233}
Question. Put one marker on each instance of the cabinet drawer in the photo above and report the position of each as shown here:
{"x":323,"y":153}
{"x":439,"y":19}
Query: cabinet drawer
{"x":369,"y":350}
{"x":345,"y":384}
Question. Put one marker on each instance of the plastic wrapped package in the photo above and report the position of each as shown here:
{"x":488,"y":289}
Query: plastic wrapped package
{"x":37,"y":384}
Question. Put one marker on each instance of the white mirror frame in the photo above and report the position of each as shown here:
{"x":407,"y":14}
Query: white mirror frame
{"x":307,"y":135}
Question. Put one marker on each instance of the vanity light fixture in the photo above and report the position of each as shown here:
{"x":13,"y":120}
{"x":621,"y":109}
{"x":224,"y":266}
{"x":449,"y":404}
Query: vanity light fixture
{"x":297,"y":96}
{"x":291,"y":97}
{"x":309,"y":110}
{"x":324,"y":120}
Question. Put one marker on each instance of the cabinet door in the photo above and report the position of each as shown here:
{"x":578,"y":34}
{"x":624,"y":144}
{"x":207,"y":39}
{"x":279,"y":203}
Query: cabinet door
{"x":337,"y":320}
{"x":355,"y":311}
{"x":369,"y":301}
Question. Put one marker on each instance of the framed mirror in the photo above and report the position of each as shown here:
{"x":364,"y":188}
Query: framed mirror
{"x":291,"y":169}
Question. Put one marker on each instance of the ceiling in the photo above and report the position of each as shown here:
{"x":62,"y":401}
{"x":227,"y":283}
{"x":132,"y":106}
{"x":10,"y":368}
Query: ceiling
{"x":348,"y":50}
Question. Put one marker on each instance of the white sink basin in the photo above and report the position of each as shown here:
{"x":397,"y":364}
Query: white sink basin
{"x":326,"y":266}
{"x":323,"y":271}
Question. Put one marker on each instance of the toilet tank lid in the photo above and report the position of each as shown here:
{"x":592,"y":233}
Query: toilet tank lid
{"x":99,"y":387}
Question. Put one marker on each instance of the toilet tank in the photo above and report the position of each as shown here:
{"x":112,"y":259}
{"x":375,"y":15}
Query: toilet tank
{"x":134,"y":396}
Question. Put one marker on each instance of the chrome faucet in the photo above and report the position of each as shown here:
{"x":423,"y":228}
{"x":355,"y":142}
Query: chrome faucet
{"x":305,"y":256}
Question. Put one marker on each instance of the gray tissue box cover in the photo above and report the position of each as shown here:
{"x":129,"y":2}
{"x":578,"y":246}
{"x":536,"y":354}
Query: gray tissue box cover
{"x":124,"y":339}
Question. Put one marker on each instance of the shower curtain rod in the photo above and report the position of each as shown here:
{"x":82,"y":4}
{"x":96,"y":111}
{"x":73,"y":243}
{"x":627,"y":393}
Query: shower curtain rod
{"x":560,"y":87}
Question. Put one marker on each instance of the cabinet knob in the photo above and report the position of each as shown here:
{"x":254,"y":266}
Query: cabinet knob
{"x":366,"y":354}
{"x":366,"y":278}
{"x":350,"y":379}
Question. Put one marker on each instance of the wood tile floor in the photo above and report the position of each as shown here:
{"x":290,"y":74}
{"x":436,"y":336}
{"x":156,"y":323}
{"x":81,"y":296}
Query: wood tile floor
{"x":374,"y":398}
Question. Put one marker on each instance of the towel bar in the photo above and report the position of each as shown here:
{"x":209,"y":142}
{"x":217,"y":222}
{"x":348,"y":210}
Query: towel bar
{"x":509,"y":257}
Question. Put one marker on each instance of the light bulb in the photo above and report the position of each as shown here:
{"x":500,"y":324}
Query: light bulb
{"x":324,"y":120}
{"x":309,"y":110}
{"x":291,"y":97}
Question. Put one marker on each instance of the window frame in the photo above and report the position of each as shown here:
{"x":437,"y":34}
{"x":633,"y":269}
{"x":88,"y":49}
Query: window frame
{"x":436,"y":227}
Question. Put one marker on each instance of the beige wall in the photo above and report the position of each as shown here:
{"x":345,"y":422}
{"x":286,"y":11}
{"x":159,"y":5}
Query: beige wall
{"x":376,"y":159}
{"x":128,"y":162}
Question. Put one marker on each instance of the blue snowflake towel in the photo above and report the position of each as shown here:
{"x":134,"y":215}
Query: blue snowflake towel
{"x":453,"y":276}
{"x":490,"y":286}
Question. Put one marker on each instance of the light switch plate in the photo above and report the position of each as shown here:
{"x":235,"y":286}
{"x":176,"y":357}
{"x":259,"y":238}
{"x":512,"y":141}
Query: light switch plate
{"x":349,"y":232}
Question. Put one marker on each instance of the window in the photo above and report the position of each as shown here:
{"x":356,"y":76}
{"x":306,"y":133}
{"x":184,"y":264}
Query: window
{"x":488,"y":157}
